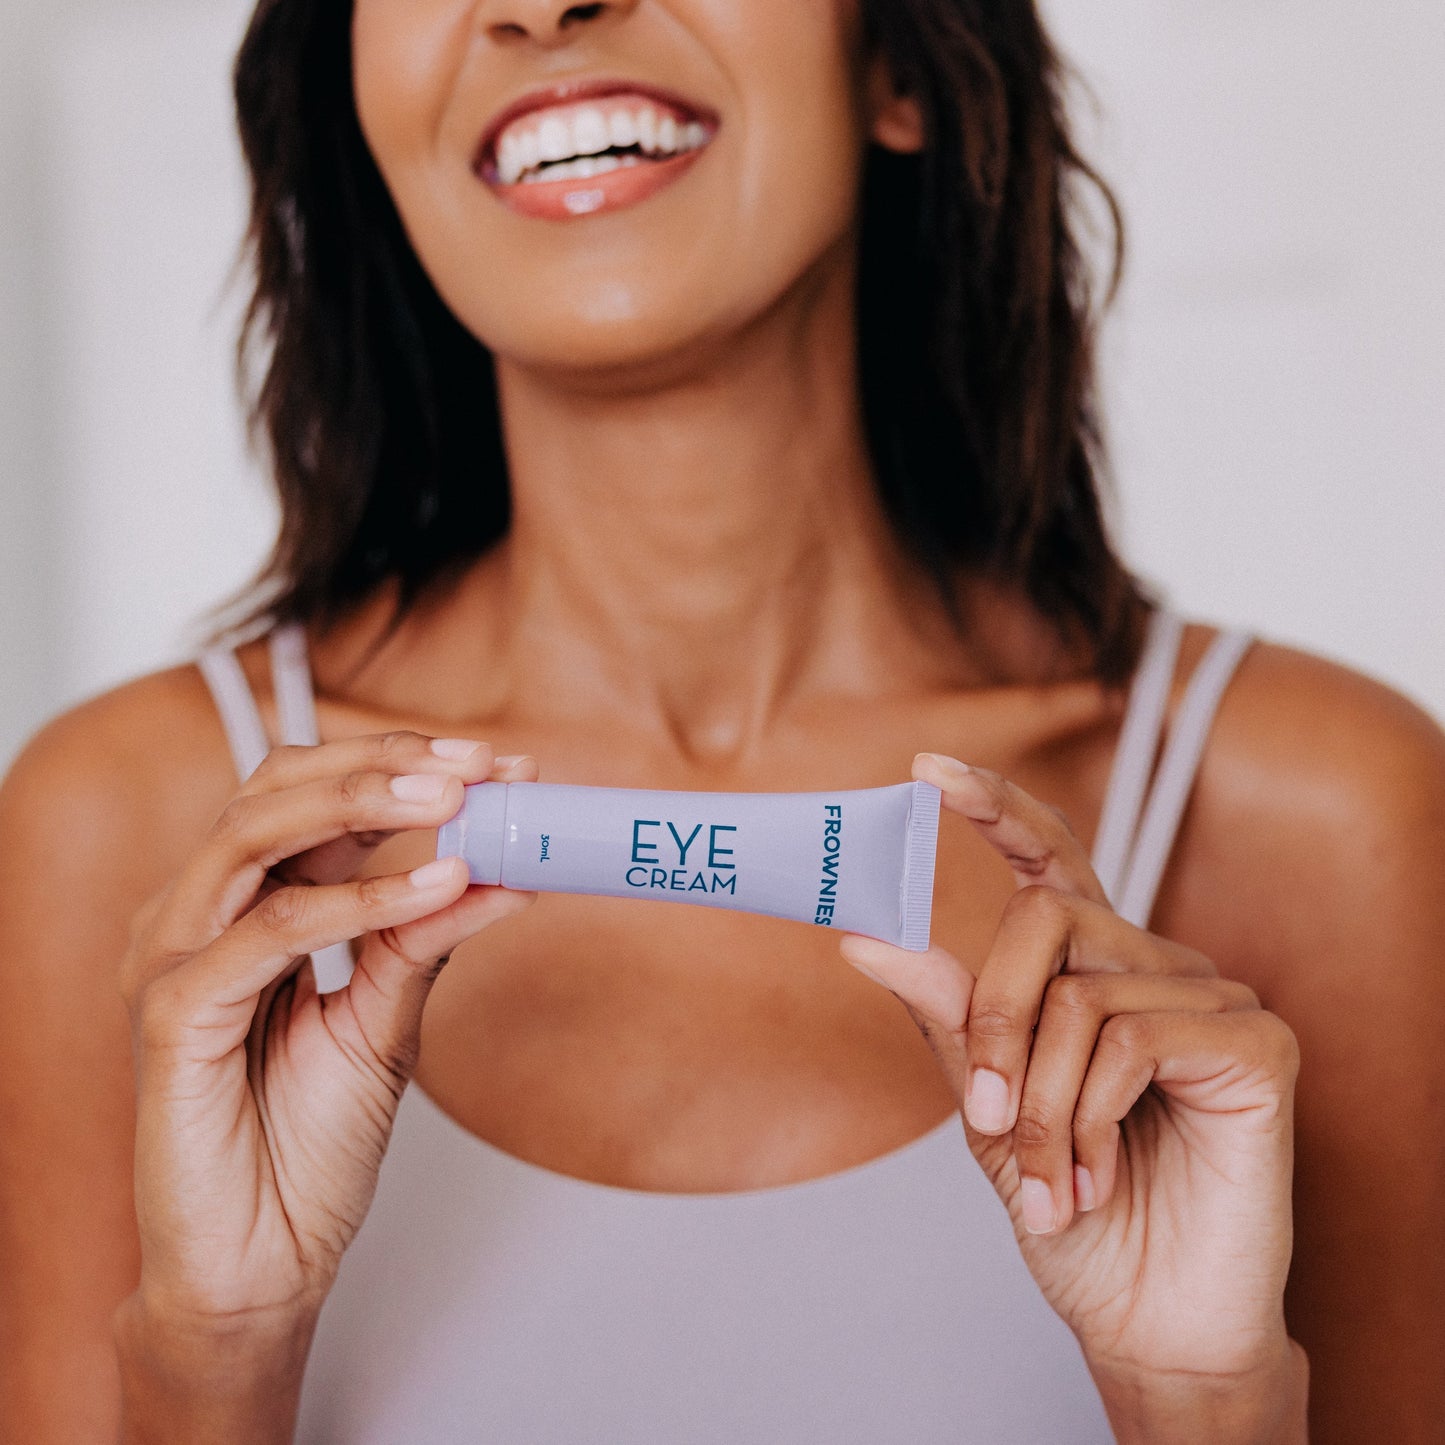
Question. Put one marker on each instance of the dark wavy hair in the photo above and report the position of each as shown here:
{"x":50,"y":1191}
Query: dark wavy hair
{"x":975,"y":318}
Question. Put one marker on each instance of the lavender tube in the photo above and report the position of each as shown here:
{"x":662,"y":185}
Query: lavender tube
{"x":861,"y":861}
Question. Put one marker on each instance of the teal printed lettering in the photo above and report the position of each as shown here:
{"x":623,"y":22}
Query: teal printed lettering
{"x":681,"y":846}
{"x":713,"y":851}
{"x":637,"y":843}
{"x":720,"y":876}
{"x":832,"y":851}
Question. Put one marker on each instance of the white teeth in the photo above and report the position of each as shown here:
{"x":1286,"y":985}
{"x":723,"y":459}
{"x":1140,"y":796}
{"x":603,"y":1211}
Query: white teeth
{"x":647,"y":129}
{"x":508,"y":162}
{"x":622,"y":129}
{"x":590,"y":131}
{"x":561,"y":144}
{"x":553,"y":141}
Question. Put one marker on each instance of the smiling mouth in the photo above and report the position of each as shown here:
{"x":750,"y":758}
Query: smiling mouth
{"x":624,"y":144}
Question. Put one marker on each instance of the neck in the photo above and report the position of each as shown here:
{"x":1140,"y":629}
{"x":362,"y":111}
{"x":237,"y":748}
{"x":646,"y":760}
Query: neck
{"x":694,"y":552}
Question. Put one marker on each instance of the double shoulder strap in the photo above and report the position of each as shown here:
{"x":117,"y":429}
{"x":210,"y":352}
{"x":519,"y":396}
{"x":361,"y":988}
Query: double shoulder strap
{"x":296,"y":722}
{"x":1139,"y":822}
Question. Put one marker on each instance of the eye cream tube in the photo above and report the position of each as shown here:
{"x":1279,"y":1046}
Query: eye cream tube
{"x":860,"y":861}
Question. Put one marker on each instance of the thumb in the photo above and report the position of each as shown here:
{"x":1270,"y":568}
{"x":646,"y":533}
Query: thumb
{"x":934,"y":987}
{"x":937,"y":991}
{"x":397,"y":967}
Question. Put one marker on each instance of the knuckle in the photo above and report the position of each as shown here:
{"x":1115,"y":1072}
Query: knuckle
{"x":1196,"y":964}
{"x":350,"y":787}
{"x":1035,"y":1127}
{"x":429,"y":968}
{"x":1239,"y":995}
{"x":1042,"y":905}
{"x":398,"y":744}
{"x":1034,"y":863}
{"x":148,"y":953}
{"x":1281,"y":1043}
{"x":282,"y":911}
{"x":1072,"y":997}
{"x":993,"y":1021}
{"x":235,"y":819}
{"x":278,"y":760}
{"x":372,"y":893}
{"x":1126,"y":1034}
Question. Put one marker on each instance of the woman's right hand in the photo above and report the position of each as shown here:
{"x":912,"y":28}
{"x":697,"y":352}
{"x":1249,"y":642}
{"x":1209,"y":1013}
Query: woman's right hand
{"x":264,"y":1109}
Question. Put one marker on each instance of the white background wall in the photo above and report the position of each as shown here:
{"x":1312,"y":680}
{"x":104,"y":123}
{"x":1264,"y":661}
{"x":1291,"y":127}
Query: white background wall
{"x":1274,"y":370}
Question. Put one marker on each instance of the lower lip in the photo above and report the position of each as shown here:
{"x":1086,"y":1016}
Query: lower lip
{"x":575,"y":200}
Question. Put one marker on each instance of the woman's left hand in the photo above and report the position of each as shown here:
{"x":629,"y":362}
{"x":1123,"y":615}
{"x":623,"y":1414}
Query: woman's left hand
{"x":1132,"y":1109}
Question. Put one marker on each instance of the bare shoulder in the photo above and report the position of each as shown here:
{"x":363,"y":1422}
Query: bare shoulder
{"x":112,"y":794}
{"x":1322,"y":795}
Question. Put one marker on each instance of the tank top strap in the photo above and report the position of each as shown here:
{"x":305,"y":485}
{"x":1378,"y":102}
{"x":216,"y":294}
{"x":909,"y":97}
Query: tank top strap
{"x":1177,"y":771}
{"x":236,"y":704}
{"x":246,"y":733}
{"x":291,"y":679}
{"x":1136,"y":750}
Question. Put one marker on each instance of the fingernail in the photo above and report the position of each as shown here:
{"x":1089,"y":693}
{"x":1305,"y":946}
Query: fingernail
{"x":1037,"y":1200}
{"x":455,"y":750}
{"x":949,"y":767}
{"x":987,"y":1101}
{"x":511,"y":761}
{"x":419,"y":787}
{"x":1084,"y":1197}
{"x":433,"y":875}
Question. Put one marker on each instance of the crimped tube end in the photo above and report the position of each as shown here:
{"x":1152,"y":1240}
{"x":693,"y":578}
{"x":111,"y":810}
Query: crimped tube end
{"x":920,"y":861}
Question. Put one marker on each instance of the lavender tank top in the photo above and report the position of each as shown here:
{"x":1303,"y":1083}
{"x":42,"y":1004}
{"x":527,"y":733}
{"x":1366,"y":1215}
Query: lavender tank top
{"x":487,"y":1299}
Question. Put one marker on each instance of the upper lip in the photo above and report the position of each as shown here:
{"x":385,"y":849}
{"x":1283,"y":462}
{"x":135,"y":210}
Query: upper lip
{"x":570,"y":90}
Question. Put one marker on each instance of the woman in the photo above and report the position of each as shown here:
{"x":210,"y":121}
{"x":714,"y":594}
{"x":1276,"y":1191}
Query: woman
{"x":789,"y":477}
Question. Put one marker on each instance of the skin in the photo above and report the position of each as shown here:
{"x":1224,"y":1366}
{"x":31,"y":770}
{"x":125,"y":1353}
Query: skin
{"x":730,"y":615}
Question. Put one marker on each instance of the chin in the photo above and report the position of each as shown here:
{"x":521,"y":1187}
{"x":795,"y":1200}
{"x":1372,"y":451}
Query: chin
{"x":621,"y":328}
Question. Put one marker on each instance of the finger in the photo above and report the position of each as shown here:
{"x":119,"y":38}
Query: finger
{"x":1042,"y":934}
{"x":1239,"y":1065}
{"x":1056,"y":1178}
{"x":208,"y":1001}
{"x":1034,"y":839}
{"x":934,"y":987}
{"x":393,"y":753}
{"x":256,"y":832}
{"x":398,"y":967}
{"x":933,"y":983}
{"x":343,"y":858}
